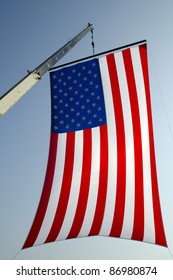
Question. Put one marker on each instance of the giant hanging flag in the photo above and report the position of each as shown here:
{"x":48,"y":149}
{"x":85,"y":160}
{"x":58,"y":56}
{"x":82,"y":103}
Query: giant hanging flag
{"x":101,"y":174}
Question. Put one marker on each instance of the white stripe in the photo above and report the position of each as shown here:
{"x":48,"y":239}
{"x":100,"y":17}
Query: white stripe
{"x":94,"y":183}
{"x":55,"y":191}
{"x":129,"y":143}
{"x":112,"y":150}
{"x":149,"y":232}
{"x":75,"y":187}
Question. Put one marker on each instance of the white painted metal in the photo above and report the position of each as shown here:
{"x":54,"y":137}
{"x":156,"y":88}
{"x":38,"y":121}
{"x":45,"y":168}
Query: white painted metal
{"x":16,"y":92}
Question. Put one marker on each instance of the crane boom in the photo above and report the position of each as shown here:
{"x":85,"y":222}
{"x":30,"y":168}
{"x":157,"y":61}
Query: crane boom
{"x":18,"y":90}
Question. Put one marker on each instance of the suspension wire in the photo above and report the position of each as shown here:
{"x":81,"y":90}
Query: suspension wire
{"x":92,"y":42}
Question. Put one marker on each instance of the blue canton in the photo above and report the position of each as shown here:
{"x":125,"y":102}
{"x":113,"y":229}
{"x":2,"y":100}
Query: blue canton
{"x":77,"y":97}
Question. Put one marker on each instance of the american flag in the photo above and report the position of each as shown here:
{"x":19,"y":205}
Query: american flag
{"x":101,"y":175}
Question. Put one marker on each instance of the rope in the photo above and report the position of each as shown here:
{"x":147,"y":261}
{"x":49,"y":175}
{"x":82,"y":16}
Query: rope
{"x":170,"y":253}
{"x":162,"y":98}
{"x":170,"y":132}
{"x":13,"y":258}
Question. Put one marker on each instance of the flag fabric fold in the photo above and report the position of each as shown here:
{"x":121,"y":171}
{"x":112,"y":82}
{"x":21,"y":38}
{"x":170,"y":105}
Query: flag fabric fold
{"x":101,"y":174}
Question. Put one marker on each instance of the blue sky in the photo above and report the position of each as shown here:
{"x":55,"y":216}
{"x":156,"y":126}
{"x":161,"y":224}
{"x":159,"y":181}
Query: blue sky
{"x":31,"y":31}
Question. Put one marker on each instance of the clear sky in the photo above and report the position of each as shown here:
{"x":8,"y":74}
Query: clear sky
{"x":30,"y":31}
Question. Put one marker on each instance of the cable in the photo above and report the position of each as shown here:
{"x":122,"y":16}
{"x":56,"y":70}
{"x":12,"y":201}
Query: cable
{"x":92,"y":38}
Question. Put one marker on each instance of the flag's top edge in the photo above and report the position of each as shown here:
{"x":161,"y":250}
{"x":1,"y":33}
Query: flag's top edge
{"x":100,"y":54}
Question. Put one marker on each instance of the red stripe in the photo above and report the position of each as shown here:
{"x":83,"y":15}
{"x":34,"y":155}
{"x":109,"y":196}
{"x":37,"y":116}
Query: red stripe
{"x":84,"y":187}
{"x":103,"y":176}
{"x":65,"y":188}
{"x":121,"y":151}
{"x":34,"y":231}
{"x":138,"y":228}
{"x":159,"y":230}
